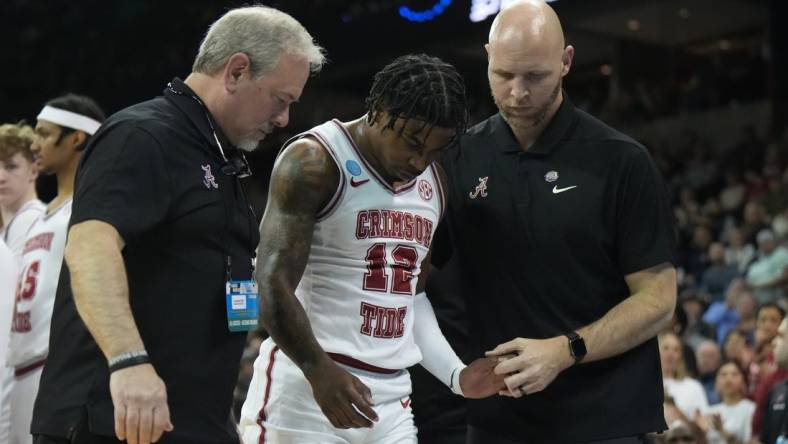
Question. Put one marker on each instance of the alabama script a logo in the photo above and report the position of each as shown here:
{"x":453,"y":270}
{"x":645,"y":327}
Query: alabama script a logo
{"x":208,"y":180}
{"x":481,"y":189}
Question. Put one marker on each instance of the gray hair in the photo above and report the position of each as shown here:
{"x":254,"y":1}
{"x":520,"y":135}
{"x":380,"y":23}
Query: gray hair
{"x":263,"y":34}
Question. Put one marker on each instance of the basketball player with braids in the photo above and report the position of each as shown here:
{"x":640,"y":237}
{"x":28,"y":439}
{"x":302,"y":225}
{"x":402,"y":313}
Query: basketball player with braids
{"x":351,"y":212}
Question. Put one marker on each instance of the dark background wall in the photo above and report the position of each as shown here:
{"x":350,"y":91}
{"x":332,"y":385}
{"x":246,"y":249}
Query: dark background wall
{"x":637,"y":61}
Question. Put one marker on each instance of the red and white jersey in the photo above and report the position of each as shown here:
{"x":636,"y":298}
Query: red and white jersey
{"x":8,"y":275}
{"x":15,"y":231}
{"x":367,"y":247}
{"x":42,"y":258}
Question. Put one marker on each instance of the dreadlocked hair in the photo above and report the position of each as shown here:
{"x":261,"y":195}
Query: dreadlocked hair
{"x":417,"y":86}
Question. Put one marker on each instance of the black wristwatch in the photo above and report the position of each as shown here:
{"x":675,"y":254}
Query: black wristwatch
{"x":577,"y":346}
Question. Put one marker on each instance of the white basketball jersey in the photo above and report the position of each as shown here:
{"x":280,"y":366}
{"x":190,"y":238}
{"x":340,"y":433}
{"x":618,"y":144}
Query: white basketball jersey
{"x":15,"y":231}
{"x":367,"y":247}
{"x":42,"y":257}
{"x":8,"y":275}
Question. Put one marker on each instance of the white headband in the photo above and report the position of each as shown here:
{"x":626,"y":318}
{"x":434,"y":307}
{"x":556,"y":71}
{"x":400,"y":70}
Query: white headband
{"x":69,"y":119}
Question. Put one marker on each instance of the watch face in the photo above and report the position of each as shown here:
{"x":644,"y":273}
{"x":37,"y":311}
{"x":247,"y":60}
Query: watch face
{"x":578,"y":347}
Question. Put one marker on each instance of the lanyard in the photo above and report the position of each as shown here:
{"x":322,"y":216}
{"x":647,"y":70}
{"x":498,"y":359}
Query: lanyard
{"x":238,"y":167}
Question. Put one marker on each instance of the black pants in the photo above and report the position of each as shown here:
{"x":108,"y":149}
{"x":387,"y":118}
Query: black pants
{"x":84,"y":438}
{"x":481,"y":436}
{"x":449,"y":436}
{"x":80,"y":435}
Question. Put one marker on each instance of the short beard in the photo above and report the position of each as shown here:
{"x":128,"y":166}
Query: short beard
{"x":248,"y":145}
{"x":531,"y":122}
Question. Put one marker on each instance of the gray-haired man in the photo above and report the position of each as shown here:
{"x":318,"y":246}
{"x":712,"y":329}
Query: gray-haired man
{"x":151,"y":309}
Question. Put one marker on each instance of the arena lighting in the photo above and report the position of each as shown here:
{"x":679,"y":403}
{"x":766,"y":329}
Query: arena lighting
{"x":481,"y":9}
{"x":426,"y":15}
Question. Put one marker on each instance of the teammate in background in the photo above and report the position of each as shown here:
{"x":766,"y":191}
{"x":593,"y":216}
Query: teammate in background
{"x":8,"y":275}
{"x":63,"y":130}
{"x":19,"y":204}
{"x":351,"y":212}
{"x":19,"y":208}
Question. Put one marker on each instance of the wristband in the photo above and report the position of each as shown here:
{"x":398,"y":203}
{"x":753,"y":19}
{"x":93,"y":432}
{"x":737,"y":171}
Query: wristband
{"x":128,"y":359}
{"x":455,"y":381}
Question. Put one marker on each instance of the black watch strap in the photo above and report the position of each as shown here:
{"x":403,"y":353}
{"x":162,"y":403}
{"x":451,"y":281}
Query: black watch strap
{"x":577,"y":346}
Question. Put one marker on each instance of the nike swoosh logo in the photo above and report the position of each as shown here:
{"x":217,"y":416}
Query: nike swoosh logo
{"x":355,"y":183}
{"x":557,"y":190}
{"x":405,"y":403}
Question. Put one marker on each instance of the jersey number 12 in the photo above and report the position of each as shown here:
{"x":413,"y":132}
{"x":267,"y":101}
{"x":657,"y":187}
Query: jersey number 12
{"x":404,"y":259}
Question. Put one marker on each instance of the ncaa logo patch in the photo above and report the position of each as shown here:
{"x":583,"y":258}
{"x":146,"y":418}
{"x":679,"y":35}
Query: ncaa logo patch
{"x":353,"y":168}
{"x":425,"y":190}
{"x":551,"y":176}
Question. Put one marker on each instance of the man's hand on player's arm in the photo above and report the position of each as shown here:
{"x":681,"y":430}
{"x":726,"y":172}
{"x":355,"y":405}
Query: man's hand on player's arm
{"x":303,"y":181}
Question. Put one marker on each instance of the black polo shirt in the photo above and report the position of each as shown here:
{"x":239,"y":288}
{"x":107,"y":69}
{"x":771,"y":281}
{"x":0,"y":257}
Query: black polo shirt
{"x":153,"y":172}
{"x":774,"y":422}
{"x":545,"y":238}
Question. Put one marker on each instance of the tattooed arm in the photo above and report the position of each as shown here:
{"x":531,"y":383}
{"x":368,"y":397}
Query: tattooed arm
{"x":303,"y":180}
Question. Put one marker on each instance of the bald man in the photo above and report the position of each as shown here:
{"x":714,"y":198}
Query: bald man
{"x":563,"y":232}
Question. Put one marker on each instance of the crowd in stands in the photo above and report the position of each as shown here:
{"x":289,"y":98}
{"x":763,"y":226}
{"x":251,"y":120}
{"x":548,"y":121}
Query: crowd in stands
{"x":731,"y":216}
